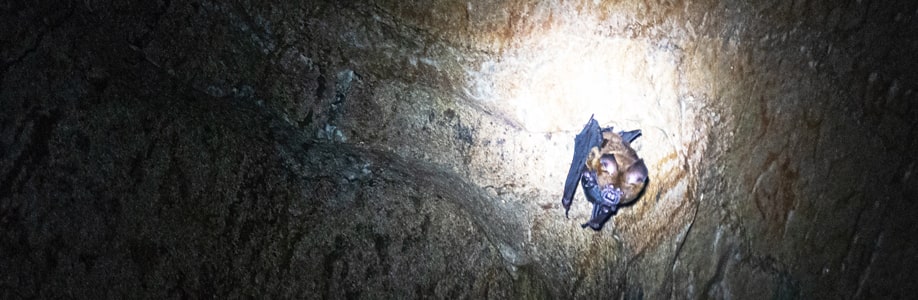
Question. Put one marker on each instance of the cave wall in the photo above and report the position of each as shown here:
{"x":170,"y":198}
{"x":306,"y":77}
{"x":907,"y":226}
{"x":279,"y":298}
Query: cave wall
{"x":379,"y":149}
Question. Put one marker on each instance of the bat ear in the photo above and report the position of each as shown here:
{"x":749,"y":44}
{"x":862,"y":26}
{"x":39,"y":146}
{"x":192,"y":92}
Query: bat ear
{"x":637,"y":173}
{"x":609,"y":163}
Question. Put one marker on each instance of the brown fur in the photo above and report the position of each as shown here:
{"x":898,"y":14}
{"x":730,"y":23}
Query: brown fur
{"x":629,"y":173}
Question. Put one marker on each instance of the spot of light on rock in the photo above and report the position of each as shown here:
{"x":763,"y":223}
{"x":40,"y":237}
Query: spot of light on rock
{"x":552,"y":76}
{"x":561,"y":78}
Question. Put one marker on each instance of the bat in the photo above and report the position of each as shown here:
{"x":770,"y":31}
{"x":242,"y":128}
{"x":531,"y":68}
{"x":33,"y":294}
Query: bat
{"x":608,"y":169}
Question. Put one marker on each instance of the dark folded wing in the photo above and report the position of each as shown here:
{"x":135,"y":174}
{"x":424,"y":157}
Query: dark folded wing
{"x":588,"y":138}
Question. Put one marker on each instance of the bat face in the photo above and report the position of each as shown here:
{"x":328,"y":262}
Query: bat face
{"x":610,"y":171}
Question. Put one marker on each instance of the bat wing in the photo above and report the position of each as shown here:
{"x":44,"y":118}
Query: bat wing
{"x":601,"y":214}
{"x":589,"y":137}
{"x":629,"y":136}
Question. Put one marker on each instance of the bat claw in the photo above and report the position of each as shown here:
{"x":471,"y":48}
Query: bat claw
{"x":566,"y":203}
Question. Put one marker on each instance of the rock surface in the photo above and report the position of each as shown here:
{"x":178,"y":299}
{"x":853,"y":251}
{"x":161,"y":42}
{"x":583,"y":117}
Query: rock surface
{"x":417,"y":149}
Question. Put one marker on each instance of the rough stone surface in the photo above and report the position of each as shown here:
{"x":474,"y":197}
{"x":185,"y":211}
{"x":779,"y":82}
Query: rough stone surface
{"x":417,"y":149}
